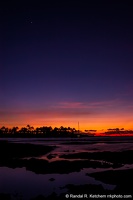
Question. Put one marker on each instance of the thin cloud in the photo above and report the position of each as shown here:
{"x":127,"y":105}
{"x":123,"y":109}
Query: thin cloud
{"x":47,"y":113}
{"x":91,"y":105}
{"x":64,"y":109}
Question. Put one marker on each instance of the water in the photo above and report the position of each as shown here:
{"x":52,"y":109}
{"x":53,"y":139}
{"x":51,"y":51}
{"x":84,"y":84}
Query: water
{"x":28,"y":184}
{"x":23,"y":184}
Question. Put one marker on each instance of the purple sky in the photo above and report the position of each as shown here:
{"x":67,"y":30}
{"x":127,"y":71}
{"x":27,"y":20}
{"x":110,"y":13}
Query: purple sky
{"x":66,"y":62}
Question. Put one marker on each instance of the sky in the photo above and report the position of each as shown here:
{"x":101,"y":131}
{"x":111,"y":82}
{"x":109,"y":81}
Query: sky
{"x":64,"y":62}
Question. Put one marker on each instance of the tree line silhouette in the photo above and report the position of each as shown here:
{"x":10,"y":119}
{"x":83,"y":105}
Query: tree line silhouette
{"x":44,"y":131}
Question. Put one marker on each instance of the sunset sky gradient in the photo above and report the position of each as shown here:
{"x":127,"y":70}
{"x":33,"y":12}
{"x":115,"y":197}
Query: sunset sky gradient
{"x":64,"y":62}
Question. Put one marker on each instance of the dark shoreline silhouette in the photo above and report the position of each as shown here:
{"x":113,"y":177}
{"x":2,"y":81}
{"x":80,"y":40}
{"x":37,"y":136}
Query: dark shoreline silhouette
{"x":48,"y":132}
{"x":44,"y":131}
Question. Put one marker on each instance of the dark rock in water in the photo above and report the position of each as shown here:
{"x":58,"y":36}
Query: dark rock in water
{"x":117,"y":158}
{"x":4,"y":196}
{"x":52,"y":179}
{"x":50,"y":156}
{"x":40,"y":166}
{"x":20,"y":150}
{"x":67,"y":151}
{"x":123,"y":179}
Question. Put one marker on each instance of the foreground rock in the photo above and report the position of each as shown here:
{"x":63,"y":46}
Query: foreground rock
{"x":123,"y":179}
{"x":10,"y":150}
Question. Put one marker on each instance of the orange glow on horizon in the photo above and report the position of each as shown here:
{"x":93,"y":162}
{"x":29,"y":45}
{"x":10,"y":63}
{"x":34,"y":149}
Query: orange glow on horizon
{"x":100,"y":127}
{"x":60,"y":115}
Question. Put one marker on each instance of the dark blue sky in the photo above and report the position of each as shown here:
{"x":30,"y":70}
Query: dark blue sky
{"x":69,"y":61}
